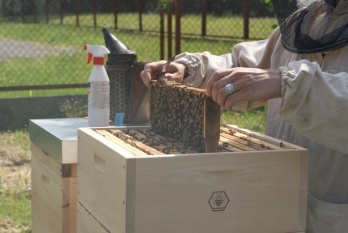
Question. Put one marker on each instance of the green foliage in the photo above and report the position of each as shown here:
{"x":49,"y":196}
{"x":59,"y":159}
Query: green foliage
{"x":165,"y":4}
{"x":74,"y":108}
{"x":269,"y":1}
{"x":18,"y":138}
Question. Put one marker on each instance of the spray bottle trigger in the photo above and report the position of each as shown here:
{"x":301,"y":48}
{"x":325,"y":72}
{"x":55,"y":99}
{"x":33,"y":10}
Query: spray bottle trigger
{"x":90,"y":56}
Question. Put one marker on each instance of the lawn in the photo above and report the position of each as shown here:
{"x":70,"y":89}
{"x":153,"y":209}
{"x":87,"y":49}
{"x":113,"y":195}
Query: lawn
{"x":15,"y":208}
{"x":64,"y":60}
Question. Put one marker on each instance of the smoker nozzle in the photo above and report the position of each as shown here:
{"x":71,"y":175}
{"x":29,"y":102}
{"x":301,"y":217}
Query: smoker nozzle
{"x":115,"y":45}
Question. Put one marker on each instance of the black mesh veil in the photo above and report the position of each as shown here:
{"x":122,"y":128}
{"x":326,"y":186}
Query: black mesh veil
{"x":283,"y":9}
{"x":294,"y":40}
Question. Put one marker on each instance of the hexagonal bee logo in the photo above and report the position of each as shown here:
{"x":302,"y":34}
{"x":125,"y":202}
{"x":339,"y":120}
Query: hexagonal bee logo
{"x":218,"y":201}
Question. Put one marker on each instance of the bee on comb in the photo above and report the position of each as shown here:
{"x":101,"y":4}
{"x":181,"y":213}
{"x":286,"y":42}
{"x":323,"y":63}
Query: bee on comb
{"x":185,"y":113}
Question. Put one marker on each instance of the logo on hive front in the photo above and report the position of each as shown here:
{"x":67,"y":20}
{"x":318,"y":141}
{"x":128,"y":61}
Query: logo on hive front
{"x":218,"y":201}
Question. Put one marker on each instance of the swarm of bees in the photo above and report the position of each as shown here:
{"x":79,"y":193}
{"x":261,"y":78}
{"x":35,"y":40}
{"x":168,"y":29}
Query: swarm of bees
{"x":178,"y":113}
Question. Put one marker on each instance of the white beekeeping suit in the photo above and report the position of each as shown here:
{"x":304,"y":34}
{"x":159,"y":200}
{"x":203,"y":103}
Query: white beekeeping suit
{"x":309,"y":49}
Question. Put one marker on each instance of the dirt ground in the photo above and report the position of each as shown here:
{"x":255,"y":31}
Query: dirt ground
{"x":15,"y":172}
{"x":6,"y":227}
{"x":15,"y":166}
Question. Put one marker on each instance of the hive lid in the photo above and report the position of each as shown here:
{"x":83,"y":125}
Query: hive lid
{"x":57,"y":137}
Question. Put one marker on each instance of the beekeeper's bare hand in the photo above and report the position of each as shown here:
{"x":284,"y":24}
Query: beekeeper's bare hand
{"x":161,"y":71}
{"x":250,"y":84}
{"x":151,"y":71}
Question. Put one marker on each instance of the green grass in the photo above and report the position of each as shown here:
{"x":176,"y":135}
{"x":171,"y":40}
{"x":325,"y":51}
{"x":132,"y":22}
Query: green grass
{"x":15,"y":206}
{"x":254,"y":120}
{"x":69,"y":66}
{"x":226,"y":26}
{"x":53,"y":69}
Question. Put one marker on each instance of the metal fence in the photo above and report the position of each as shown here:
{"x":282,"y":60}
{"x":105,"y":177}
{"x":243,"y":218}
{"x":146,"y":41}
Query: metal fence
{"x":41,"y":41}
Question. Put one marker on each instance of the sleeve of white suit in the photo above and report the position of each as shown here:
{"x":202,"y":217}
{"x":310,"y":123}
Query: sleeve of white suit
{"x":311,"y":99}
{"x":201,"y":66}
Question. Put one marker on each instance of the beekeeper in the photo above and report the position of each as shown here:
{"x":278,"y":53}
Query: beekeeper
{"x":301,"y":73}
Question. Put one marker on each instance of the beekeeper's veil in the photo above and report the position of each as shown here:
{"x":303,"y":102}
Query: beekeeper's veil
{"x":297,"y":41}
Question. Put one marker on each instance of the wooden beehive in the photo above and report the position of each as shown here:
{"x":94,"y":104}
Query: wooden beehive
{"x":53,"y":194}
{"x":54,"y":174}
{"x":186,"y":114}
{"x":253,"y":184}
{"x":87,"y":223}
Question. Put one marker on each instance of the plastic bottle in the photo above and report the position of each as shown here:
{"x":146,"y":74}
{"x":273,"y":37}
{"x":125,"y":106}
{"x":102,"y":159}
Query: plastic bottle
{"x":98,"y":87}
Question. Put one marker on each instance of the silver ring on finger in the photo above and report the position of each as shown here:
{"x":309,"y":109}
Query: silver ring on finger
{"x":230,"y":89}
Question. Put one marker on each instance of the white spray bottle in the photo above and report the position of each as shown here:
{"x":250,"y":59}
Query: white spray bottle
{"x":98,"y":87}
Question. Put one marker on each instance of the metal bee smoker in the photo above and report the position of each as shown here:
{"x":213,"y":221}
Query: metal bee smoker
{"x":119,"y":67}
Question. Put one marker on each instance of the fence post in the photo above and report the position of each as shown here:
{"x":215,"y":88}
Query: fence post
{"x":161,"y":33}
{"x":35,"y":10}
{"x":46,"y":11}
{"x":177,"y":25}
{"x":246,"y":19}
{"x":61,"y":11}
{"x":13,"y":12}
{"x":3,"y":9}
{"x":94,"y":13}
{"x":115,"y":14}
{"x":77,"y":6}
{"x":140,"y":11}
{"x":22,"y":11}
{"x":204,"y":17}
{"x":169,"y":32}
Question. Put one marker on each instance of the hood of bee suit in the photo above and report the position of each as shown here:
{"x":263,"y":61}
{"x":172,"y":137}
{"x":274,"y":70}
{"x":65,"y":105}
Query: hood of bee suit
{"x":304,"y":3}
{"x":330,"y":3}
{"x":296,"y":41}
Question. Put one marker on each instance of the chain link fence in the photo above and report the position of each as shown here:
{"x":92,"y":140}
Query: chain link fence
{"x":42,"y":41}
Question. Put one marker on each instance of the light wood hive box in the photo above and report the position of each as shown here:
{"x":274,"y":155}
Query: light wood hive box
{"x":87,"y":222}
{"x":54,"y":174}
{"x":260,"y":185}
{"x":145,"y":180}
